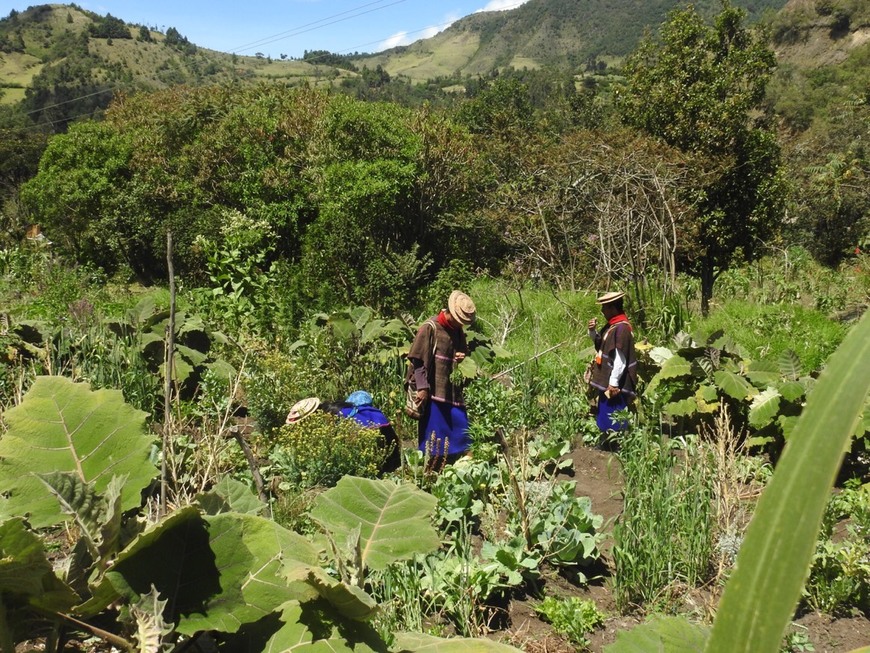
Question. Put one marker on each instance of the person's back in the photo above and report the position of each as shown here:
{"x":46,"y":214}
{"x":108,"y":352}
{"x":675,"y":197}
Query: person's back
{"x":358,"y":407}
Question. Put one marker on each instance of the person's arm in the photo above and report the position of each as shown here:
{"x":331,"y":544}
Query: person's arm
{"x":421,"y":374}
{"x":422,"y":358}
{"x":618,"y":368}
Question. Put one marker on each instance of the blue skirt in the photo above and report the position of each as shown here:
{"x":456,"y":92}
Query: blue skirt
{"x":606,"y":409}
{"x":448,"y":423}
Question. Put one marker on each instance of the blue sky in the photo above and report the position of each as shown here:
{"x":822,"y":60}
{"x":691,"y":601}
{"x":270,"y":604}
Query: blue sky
{"x":275,"y":27}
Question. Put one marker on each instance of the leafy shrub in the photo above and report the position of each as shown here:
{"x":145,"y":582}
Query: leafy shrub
{"x":273,"y":383}
{"x":840,"y":574}
{"x":767,"y":331}
{"x":322,"y":448}
{"x":572,"y":617}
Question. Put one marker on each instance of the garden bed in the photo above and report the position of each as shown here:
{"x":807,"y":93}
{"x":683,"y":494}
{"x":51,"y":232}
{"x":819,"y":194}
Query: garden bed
{"x":598,"y":476}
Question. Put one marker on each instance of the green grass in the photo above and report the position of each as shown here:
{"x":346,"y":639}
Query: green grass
{"x":767,"y":331}
{"x":536,"y":319}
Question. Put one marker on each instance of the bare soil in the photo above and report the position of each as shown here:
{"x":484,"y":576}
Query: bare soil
{"x":597,"y":474}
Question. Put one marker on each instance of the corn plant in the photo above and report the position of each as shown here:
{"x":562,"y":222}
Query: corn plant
{"x":664,"y":539}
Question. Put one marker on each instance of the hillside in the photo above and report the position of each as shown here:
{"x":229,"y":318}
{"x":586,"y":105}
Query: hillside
{"x":61,"y":52}
{"x":541,"y":33}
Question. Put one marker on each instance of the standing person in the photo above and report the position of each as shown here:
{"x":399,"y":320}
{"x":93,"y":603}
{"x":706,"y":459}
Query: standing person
{"x":359,"y":407}
{"x":614,"y":371}
{"x":438,"y":347}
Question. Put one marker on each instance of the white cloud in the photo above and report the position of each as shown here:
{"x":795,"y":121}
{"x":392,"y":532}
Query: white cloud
{"x":399,"y":38}
{"x":501,"y":5}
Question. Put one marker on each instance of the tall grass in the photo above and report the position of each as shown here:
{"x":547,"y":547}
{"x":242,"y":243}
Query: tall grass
{"x":664,"y":539}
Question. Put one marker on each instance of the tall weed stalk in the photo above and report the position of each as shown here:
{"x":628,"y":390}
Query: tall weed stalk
{"x":663,"y":542}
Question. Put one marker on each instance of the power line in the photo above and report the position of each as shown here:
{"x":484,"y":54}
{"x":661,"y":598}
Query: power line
{"x":75,"y":99}
{"x":319,"y":24}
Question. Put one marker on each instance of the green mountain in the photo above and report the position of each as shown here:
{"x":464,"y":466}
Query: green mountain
{"x":567,"y":34}
{"x":62,"y":61}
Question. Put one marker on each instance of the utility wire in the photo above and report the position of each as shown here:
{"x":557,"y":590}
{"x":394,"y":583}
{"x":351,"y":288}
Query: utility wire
{"x":297,"y":32}
{"x":291,"y":32}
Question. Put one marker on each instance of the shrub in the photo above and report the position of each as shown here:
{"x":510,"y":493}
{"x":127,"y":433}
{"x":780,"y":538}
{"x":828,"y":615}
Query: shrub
{"x":322,"y":448}
{"x":572,"y":617}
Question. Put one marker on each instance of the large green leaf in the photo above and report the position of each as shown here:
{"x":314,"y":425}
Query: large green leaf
{"x":219,"y":572}
{"x":681,"y":408}
{"x":230,"y":495}
{"x":764,"y":408}
{"x":661,"y":635}
{"x":291,"y":630}
{"x":393,"y":520}
{"x":26,"y":573}
{"x":734,"y":385}
{"x":763,"y":373}
{"x":673,"y":367}
{"x":66,"y":427}
{"x":774,"y":560}
{"x":420,"y":643}
{"x":791,"y":390}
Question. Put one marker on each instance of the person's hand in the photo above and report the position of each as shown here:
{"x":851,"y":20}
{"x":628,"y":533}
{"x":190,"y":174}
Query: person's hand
{"x":422,"y":396}
{"x":459,"y":356}
{"x":593,"y":324}
{"x":611,"y":391}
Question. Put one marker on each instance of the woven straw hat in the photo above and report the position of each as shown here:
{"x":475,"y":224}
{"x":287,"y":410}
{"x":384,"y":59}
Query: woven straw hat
{"x":302,"y":409}
{"x":606,"y":298}
{"x":461,"y":307}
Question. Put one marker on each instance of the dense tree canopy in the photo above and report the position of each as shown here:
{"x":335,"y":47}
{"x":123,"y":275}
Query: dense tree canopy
{"x":697,"y":88}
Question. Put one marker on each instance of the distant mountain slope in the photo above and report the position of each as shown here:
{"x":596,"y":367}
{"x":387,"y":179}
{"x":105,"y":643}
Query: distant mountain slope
{"x":559,"y":33}
{"x":816,"y":33}
{"x":53,"y":54}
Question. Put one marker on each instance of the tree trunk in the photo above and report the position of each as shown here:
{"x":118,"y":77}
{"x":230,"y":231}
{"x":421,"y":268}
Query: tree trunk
{"x":707,"y":278}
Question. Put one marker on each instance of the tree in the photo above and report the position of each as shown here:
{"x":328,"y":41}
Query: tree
{"x":699,"y":88}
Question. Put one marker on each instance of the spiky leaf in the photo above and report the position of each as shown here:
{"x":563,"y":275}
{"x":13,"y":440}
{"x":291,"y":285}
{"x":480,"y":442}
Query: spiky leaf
{"x":151,"y":629}
{"x":65,"y":426}
{"x":393,"y":519}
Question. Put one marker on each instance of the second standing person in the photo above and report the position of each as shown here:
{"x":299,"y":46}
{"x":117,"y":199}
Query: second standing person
{"x":439,"y":347}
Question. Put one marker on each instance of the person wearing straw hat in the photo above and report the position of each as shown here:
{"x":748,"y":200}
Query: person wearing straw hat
{"x":439,"y":346}
{"x":302,"y":409}
{"x":614,"y":370}
{"x":359,"y":406}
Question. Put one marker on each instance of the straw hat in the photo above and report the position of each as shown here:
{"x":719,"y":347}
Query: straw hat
{"x":302,"y":409}
{"x":461,"y":307}
{"x":606,"y":298}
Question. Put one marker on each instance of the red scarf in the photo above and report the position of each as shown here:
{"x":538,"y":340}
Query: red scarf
{"x":444,"y":321}
{"x":617,"y":319}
